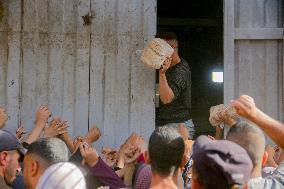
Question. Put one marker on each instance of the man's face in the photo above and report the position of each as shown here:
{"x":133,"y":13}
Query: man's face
{"x":174,"y":45}
{"x":13,"y":166}
{"x":27,"y":171}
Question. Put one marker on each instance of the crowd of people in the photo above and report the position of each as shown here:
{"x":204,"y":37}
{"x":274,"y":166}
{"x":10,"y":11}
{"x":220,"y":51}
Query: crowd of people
{"x":50,"y":158}
{"x":236,"y":157}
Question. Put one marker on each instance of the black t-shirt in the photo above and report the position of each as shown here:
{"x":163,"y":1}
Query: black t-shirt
{"x":179,"y":80}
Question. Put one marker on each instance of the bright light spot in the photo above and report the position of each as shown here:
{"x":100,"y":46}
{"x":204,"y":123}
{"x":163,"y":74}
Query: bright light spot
{"x":217,"y":77}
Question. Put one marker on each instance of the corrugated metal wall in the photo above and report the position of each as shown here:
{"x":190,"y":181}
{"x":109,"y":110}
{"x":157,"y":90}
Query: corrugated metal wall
{"x":253,"y":52}
{"x":85,"y":73}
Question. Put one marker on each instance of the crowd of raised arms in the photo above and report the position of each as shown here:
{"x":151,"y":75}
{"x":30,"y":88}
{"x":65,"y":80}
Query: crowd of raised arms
{"x":237,"y":157}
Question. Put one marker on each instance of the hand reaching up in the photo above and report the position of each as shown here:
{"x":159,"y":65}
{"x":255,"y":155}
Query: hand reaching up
{"x":42,"y":116}
{"x":245,"y":106}
{"x":20,"y":132}
{"x":89,"y":154}
{"x":77,"y":141}
{"x":56,"y":128}
{"x":41,"y":121}
{"x":166,"y":65}
{"x":93,"y":135}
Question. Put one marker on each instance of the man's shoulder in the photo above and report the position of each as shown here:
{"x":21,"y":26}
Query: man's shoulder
{"x":181,"y":67}
{"x":276,"y":180}
{"x":184,"y":63}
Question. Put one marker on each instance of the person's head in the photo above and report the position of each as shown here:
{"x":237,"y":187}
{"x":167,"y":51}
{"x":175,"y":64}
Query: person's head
{"x":166,"y":150}
{"x":40,"y":155}
{"x":172,"y":40}
{"x":219,"y":164}
{"x":63,"y":175}
{"x":11,"y":153}
{"x":252,"y":139}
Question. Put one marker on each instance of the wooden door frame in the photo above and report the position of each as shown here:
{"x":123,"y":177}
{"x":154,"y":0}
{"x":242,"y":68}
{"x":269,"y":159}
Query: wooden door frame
{"x":230,"y":35}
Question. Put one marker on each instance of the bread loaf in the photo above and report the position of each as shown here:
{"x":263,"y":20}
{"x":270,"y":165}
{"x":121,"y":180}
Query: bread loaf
{"x":156,"y":52}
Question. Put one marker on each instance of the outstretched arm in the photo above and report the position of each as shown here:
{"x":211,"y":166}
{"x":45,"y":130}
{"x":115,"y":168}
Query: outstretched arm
{"x":245,"y":107}
{"x":42,"y":116}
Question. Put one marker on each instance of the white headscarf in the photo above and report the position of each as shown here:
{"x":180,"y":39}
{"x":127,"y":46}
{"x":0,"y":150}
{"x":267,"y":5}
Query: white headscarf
{"x":62,"y":175}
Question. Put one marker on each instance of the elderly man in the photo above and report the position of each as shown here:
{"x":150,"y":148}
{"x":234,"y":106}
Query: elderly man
{"x":11,"y":153}
{"x":174,"y":89}
{"x":40,"y":155}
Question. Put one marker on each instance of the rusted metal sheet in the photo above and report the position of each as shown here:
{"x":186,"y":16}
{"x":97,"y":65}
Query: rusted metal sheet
{"x":253,"y":53}
{"x":85,"y":72}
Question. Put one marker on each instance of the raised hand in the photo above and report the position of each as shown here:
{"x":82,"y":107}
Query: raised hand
{"x":166,"y":65}
{"x":20,"y":132}
{"x":93,"y":135}
{"x":77,"y":141}
{"x":56,"y":128}
{"x":89,"y":154}
{"x":245,"y":106}
{"x":42,"y":116}
{"x":41,"y":121}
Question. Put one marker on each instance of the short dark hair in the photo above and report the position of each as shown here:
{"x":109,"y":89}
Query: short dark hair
{"x":166,"y":149}
{"x":51,"y":150}
{"x":216,"y":180}
{"x":167,"y":36}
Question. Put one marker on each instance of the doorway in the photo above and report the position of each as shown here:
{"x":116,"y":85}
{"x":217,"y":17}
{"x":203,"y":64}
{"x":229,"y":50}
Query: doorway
{"x":198,"y":25}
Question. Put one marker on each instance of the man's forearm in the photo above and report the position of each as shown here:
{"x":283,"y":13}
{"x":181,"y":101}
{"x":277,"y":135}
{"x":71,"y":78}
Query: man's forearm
{"x":68,"y":141}
{"x":273,"y":128}
{"x":166,"y":93}
{"x":35,"y":133}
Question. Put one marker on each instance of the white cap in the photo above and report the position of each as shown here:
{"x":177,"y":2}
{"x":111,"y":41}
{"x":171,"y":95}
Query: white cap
{"x":63,"y":175}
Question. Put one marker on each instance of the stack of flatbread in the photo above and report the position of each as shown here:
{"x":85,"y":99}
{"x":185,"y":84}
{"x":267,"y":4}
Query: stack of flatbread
{"x":156,"y":52}
{"x":221,"y":112}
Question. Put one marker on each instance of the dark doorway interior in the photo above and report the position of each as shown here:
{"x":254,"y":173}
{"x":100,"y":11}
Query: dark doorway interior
{"x":199,"y":27}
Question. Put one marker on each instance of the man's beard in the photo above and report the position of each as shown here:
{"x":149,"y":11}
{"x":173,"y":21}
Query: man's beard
{"x":10,"y":175}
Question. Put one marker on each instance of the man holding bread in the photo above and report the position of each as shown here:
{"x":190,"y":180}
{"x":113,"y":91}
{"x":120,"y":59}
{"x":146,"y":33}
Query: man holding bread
{"x":174,"y":89}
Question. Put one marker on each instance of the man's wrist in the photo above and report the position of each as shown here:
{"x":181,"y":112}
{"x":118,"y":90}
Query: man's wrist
{"x":255,"y":115}
{"x":40,"y":123}
{"x":162,"y":77}
{"x":162,"y":73}
{"x":93,"y":162}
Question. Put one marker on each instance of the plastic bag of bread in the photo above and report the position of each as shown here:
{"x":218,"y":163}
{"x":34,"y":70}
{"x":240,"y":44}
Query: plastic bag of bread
{"x":156,"y":52}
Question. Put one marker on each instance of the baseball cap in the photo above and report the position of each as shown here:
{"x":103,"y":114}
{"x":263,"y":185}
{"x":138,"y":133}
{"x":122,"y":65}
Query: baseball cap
{"x":222,"y":157}
{"x":9,"y":142}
